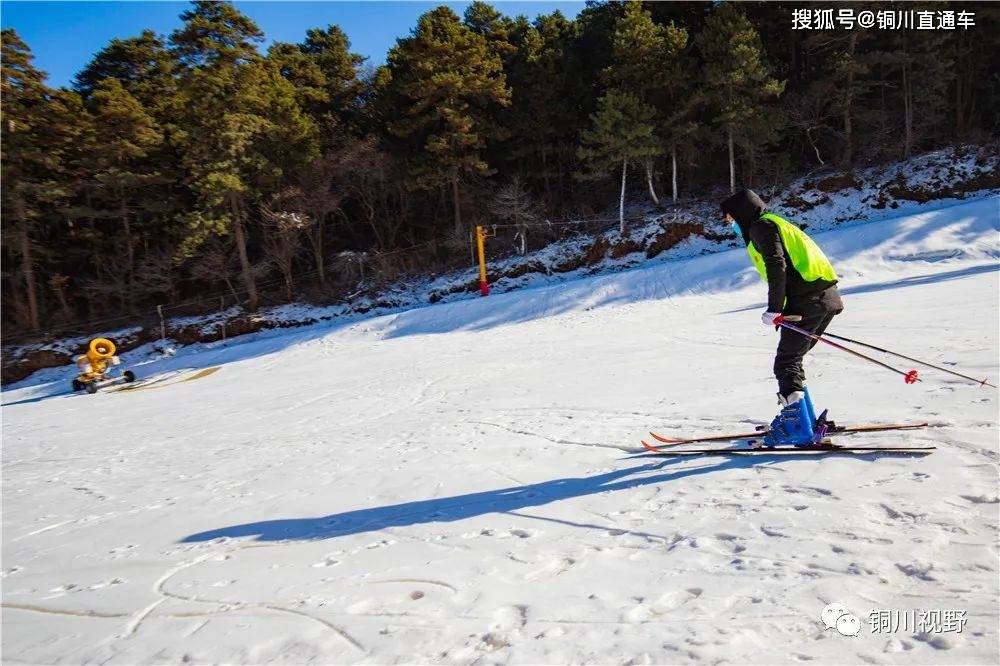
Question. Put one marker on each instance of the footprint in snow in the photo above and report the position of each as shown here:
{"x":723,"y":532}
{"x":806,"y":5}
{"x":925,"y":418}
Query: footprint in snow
{"x":732,"y":541}
{"x":981,"y":499}
{"x":810,"y":491}
{"x":117,"y":552}
{"x":665,"y":604}
{"x":555,"y":567}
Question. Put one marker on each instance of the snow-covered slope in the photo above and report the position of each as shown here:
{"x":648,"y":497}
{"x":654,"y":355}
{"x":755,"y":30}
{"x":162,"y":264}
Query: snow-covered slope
{"x":456,"y":483}
{"x":820,"y":202}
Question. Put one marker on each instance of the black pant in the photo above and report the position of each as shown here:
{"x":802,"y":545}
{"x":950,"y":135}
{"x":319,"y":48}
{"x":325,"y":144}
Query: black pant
{"x":792,"y":347}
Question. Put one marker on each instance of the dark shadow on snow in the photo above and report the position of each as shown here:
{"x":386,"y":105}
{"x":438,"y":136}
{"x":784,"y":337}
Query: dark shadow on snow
{"x":473,"y":505}
{"x":38,"y":398}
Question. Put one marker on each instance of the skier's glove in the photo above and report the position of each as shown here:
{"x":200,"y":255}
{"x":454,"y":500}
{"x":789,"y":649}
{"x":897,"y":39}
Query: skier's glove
{"x":772,"y":319}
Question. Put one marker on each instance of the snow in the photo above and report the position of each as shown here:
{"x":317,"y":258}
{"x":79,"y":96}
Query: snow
{"x":457,"y":483}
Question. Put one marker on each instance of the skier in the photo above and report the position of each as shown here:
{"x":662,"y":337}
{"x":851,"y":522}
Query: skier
{"x":801,"y":287}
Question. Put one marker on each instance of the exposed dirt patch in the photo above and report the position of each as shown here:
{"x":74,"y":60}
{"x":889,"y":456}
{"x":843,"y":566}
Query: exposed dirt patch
{"x":23,"y":366}
{"x":519,"y":270}
{"x":672,"y":234}
{"x":624,"y":247}
{"x":796,"y":202}
{"x":596,"y":252}
{"x":838,"y":182}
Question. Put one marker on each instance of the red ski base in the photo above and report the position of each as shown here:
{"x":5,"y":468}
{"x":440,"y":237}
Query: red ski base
{"x":829,"y":449}
{"x":837,"y":430}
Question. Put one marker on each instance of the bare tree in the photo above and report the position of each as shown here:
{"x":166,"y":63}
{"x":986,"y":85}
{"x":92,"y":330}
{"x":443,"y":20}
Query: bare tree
{"x":157,"y":274}
{"x":59,"y":284}
{"x":513,"y":204}
{"x":111,"y":282}
{"x":377,"y":183}
{"x":812,"y":110}
{"x":283,"y":237}
{"x":216,"y":261}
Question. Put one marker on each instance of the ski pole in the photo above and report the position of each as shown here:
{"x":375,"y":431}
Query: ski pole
{"x":908,"y":377}
{"x":914,"y":360}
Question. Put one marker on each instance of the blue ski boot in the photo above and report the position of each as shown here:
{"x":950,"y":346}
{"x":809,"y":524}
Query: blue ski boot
{"x":794,"y":424}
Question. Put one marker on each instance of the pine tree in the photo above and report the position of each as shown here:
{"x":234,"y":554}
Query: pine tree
{"x":39,"y":139}
{"x":646,"y":60}
{"x":124,"y":135}
{"x":141,"y":64}
{"x":736,"y":79}
{"x":621,"y":132}
{"x":304,"y":74}
{"x":483,"y":19}
{"x":547,"y":112}
{"x":26,"y":164}
{"x":975,"y":92}
{"x":926,"y":70}
{"x":331,"y":51}
{"x":146,"y":71}
{"x":215,"y":34}
{"x":242,"y":128}
{"x":448,"y":87}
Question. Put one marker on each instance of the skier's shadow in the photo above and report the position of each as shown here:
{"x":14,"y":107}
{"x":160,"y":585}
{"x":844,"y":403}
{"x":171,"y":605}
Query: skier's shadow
{"x":471,"y":505}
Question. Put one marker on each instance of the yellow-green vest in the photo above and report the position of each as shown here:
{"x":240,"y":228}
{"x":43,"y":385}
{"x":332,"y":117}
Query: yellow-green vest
{"x":806,"y":256}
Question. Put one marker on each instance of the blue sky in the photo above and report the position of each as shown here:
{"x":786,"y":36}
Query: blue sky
{"x":65,"y":35}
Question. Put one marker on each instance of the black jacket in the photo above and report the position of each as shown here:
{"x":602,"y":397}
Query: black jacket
{"x":783,"y":281}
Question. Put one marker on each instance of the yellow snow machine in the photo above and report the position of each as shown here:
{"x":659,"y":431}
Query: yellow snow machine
{"x":94,"y":367}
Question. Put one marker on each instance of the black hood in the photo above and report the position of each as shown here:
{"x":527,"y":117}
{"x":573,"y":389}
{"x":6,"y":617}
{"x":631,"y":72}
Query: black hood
{"x":745,"y":207}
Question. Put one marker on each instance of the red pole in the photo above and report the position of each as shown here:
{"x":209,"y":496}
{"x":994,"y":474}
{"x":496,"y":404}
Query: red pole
{"x":981,"y":382}
{"x":484,"y":287}
{"x":908,"y":377}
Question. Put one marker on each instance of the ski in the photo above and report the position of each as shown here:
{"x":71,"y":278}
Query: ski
{"x":813,"y":450}
{"x":834,"y":430}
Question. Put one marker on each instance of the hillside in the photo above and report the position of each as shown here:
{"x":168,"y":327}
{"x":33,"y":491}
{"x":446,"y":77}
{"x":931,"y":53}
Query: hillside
{"x":457,"y":482}
{"x":827,"y":200}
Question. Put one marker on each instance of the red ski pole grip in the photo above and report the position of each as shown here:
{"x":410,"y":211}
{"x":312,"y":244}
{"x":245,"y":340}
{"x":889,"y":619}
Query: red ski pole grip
{"x":911,"y":377}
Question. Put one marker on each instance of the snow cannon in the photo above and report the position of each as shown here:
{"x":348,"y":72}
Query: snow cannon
{"x":94,"y":365}
{"x":102,"y":348}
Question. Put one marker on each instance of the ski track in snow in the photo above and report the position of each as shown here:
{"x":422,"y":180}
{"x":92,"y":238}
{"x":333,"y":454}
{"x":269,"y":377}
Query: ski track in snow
{"x":453,"y":484}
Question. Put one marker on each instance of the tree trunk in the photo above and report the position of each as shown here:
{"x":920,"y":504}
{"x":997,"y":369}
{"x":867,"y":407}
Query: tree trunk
{"x":545,"y":175}
{"x":232,"y":289}
{"x":287,"y":270}
{"x":816,"y":148}
{"x":129,"y":251}
{"x":28,"y":271}
{"x":241,"y":247}
{"x":732,"y":161}
{"x":649,"y":181}
{"x":964,"y":93}
{"x":959,"y":125}
{"x":673,"y":169}
{"x":852,"y":43}
{"x":67,"y":313}
{"x":908,"y":111}
{"x":458,"y":206}
{"x":621,"y":199}
{"x":318,"y":249}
